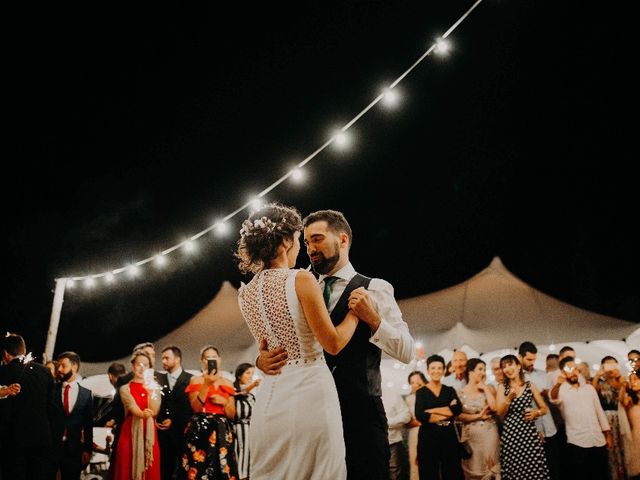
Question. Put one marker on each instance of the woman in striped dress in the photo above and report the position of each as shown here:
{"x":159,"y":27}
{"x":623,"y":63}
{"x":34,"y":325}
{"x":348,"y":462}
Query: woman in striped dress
{"x":244,"y":404}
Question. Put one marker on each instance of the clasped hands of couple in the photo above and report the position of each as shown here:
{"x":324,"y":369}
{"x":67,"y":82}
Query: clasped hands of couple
{"x":360,"y":304}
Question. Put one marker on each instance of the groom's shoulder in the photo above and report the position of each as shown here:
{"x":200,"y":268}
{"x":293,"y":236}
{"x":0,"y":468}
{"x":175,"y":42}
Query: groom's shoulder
{"x":378,"y":284}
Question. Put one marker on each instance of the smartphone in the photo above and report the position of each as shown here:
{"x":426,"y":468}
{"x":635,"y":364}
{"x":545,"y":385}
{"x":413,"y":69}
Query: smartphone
{"x":212,"y":365}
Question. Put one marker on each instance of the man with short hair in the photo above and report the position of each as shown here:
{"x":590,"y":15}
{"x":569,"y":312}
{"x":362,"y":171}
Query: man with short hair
{"x":528,"y":354}
{"x":103,"y":416}
{"x":398,"y":415}
{"x":177,"y":408}
{"x":552,"y":361}
{"x":71,"y":420}
{"x":457,"y":379}
{"x":587,"y":427}
{"x":25,"y":432}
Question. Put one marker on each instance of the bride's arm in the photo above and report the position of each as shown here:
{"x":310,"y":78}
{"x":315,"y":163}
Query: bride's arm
{"x":332,"y":338}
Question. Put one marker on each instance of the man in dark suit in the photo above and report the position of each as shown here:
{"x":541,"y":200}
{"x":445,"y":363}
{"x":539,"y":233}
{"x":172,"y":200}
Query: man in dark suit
{"x":71,"y":420}
{"x":177,"y":409}
{"x":24,"y":422}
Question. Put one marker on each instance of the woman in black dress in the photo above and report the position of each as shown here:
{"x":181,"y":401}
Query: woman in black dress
{"x":436,"y":405}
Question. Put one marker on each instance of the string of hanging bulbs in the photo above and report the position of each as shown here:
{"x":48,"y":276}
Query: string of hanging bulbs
{"x":340,"y":139}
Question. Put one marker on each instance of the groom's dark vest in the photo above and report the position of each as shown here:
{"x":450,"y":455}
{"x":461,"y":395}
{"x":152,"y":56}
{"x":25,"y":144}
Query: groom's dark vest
{"x":356,"y":369}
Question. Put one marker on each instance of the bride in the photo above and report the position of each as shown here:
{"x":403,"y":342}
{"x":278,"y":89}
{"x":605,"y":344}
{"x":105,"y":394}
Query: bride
{"x":296,"y":426}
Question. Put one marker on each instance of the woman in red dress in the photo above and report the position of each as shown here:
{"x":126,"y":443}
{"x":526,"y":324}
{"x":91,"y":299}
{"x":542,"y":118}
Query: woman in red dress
{"x":209,"y":437}
{"x":137,"y":451}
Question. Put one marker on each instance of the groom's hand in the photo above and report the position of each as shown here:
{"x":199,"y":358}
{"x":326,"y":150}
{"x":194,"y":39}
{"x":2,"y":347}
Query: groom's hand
{"x":361,"y":304}
{"x":271,"y":361}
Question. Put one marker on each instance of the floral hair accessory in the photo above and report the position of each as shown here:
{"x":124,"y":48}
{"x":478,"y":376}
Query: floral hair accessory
{"x":260,"y":226}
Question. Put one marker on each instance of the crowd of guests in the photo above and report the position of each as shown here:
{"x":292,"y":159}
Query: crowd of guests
{"x":525,"y":423}
{"x":562,"y":423}
{"x":165,"y":425}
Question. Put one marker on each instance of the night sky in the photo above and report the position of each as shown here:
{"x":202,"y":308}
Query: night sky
{"x":134,"y":128}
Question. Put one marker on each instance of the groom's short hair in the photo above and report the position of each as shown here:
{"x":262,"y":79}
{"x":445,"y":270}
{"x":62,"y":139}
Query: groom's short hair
{"x":336,"y":222}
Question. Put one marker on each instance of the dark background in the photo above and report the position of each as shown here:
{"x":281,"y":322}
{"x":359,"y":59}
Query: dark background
{"x":135,"y":127}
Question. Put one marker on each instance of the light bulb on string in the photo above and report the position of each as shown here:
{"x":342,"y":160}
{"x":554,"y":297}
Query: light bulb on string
{"x":297,"y":175}
{"x":133,"y":271}
{"x":89,"y":282}
{"x":160,"y":260}
{"x":390,"y":98}
{"x":442,"y":47}
{"x":109,"y":277}
{"x":190,"y":246}
{"x":222,"y":228}
{"x":342,"y":140}
{"x":256,"y":203}
{"x":70,"y":283}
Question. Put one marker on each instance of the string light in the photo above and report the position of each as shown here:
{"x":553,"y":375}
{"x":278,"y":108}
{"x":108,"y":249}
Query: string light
{"x":160,"y":260}
{"x":297,"y":175}
{"x":390,"y":98}
{"x":342,"y":140}
{"x":442,"y":47}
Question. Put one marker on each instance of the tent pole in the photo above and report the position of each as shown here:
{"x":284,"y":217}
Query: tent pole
{"x":58,"y":298}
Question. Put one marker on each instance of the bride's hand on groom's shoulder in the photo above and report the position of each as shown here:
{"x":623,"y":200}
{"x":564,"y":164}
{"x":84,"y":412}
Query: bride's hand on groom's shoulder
{"x":271,"y":361}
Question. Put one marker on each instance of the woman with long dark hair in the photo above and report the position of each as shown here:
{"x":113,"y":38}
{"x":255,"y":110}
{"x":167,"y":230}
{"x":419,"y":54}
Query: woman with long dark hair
{"x":479,"y":426}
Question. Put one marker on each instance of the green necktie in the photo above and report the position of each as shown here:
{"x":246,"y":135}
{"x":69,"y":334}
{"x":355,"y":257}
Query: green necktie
{"x":328,"y":286}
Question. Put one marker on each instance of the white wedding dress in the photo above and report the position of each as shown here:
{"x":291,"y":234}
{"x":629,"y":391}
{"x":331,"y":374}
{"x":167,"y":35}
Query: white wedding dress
{"x":296,"y":427}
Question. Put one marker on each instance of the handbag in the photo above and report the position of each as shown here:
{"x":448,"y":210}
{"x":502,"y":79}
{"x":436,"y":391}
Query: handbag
{"x":464,"y":448}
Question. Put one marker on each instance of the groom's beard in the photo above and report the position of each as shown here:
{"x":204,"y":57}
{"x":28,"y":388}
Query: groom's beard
{"x":324,"y":265}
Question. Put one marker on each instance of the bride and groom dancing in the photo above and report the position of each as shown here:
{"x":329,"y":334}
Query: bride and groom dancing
{"x":319,"y":414}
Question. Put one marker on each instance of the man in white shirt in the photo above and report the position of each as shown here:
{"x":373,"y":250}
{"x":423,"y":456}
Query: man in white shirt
{"x":457,"y":379}
{"x":587,"y":427}
{"x":71,"y":420}
{"x":528,"y":354}
{"x":356,"y":369}
{"x":398,"y":415}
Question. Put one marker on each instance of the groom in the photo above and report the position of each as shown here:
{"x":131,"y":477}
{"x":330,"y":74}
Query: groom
{"x":356,"y":369}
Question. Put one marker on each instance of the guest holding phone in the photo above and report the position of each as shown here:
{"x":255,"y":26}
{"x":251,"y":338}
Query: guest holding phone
{"x":209,"y":438}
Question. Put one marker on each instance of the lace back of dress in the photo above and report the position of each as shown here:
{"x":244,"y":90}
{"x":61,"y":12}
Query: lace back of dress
{"x":266,"y":309}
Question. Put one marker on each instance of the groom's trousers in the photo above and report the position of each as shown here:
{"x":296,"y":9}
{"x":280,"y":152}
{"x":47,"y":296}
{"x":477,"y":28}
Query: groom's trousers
{"x":366,"y":438}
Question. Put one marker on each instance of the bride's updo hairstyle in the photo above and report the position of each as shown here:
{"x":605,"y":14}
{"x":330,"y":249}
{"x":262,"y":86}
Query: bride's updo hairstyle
{"x":262,"y":233}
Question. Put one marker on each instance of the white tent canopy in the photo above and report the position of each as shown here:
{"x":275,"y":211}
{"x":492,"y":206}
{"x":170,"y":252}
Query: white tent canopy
{"x":494,"y":309}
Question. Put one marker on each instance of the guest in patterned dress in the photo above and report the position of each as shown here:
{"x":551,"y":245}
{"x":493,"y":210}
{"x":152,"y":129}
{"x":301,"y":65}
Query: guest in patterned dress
{"x":245,"y":400}
{"x":209,"y":440}
{"x":522,"y":456}
{"x":479,"y":427}
{"x":608,"y":382}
